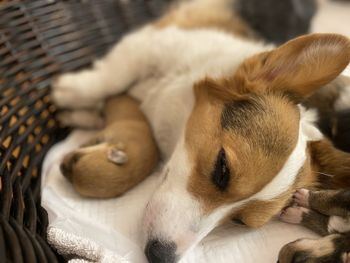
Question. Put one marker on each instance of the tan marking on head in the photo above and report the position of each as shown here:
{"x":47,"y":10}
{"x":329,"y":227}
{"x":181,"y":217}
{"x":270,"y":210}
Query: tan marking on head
{"x":256,"y":134}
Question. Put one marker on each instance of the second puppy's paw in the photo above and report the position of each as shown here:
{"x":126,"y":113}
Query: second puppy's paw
{"x":75,"y":90}
{"x":301,"y":197}
{"x":293,"y":214}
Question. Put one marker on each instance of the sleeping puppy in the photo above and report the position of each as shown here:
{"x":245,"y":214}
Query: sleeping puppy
{"x":118,"y":157}
{"x":226,"y":114}
{"x":326,"y":212}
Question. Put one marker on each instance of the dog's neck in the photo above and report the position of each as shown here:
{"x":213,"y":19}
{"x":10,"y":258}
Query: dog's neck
{"x":169,"y":123}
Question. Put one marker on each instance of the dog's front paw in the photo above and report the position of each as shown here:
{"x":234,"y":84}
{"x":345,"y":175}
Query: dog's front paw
{"x":293,"y":214}
{"x":75,"y":90}
{"x":301,"y":197}
{"x":289,"y":254}
{"x":305,"y":250}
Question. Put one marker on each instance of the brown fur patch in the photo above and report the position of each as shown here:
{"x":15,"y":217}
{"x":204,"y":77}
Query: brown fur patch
{"x":331,"y":164}
{"x":219,"y":15}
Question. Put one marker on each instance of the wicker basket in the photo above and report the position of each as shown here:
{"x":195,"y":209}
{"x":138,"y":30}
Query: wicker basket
{"x":38,"y":40}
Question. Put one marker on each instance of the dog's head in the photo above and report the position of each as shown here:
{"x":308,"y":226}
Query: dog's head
{"x":244,"y":147}
{"x":113,"y":161}
{"x":97,"y":169}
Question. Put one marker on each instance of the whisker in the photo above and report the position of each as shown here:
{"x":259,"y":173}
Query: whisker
{"x":329,"y":175}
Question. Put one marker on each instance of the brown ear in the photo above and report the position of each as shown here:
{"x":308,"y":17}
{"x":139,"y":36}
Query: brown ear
{"x":117,"y":156}
{"x":300,"y":66}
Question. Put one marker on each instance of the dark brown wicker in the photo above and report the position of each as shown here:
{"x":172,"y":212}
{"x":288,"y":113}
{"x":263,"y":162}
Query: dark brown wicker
{"x":38,"y":40}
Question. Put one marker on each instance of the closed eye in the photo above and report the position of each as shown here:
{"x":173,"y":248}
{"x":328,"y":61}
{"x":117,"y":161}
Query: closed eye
{"x":221,"y":174}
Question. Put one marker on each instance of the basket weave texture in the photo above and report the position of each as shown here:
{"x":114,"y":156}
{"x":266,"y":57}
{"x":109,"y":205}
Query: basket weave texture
{"x":38,"y":40}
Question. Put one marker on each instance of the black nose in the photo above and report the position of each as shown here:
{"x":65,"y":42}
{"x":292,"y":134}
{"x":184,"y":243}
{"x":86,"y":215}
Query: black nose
{"x":159,"y":251}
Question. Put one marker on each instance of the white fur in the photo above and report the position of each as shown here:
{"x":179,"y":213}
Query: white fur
{"x":338,"y":224}
{"x":346,"y":71}
{"x":308,"y":124}
{"x":172,"y":213}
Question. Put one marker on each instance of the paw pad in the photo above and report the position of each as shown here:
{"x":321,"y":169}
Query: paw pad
{"x":293,"y":214}
{"x":301,"y":197}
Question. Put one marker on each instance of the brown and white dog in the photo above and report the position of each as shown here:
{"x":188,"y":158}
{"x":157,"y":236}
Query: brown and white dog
{"x":226,"y":115}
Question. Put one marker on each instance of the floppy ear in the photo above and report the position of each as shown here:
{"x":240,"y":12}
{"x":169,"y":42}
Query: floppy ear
{"x":299,"y":67}
{"x":117,"y":156}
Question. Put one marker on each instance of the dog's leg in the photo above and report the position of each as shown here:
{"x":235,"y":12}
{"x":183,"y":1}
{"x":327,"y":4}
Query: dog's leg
{"x":329,"y":249}
{"x":327,"y":202}
{"x":134,"y":58}
{"x":324,"y":211}
{"x":306,"y":217}
{"x":86,"y":119}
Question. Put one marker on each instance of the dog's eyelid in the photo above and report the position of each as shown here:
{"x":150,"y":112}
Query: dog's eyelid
{"x":221,"y":174}
{"x":238,"y":221}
